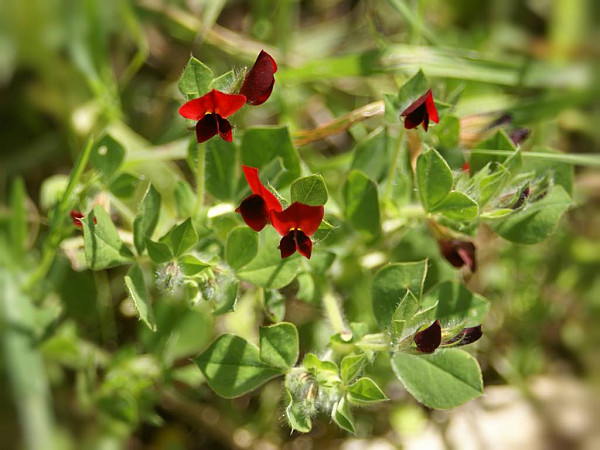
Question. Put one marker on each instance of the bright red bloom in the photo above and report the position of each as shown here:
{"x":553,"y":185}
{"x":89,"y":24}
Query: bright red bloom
{"x":211,"y":111}
{"x":259,"y":82}
{"x":459,"y":253}
{"x":297,"y":223}
{"x":256,"y":209}
{"x":421,"y":111}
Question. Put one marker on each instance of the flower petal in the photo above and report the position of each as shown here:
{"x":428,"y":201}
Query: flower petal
{"x":254,"y":212}
{"x":259,"y":82}
{"x":287,"y":245}
{"x":298,"y":216}
{"x":458,"y":253}
{"x":466,"y":336}
{"x":212,"y":102}
{"x":76,"y":216}
{"x":415,"y":118}
{"x":224,"y":129}
{"x":430,"y":338}
{"x":206,"y":127}
{"x":416,"y":104}
{"x":431,"y":109}
{"x":303,"y":243}
{"x":251,"y":174}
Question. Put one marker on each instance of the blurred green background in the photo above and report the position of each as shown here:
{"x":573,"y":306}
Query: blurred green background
{"x":71,"y":69}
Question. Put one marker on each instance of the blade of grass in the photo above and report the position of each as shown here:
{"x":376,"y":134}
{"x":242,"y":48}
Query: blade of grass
{"x":566,"y":158}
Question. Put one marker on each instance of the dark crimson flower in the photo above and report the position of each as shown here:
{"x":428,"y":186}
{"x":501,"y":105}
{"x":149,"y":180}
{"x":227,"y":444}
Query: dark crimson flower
{"x":259,"y":82}
{"x":77,"y":216}
{"x":519,"y":135}
{"x":421,"y":111}
{"x":466,"y":336}
{"x":256,"y":209}
{"x":459,"y":253}
{"x":211,"y":111}
{"x":297,"y":223}
{"x":429,"y":339}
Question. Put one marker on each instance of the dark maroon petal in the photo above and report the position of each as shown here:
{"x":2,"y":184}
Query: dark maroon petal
{"x":259,"y":81}
{"x":298,"y":216}
{"x":519,"y":135}
{"x":251,"y":174}
{"x":76,"y":216}
{"x":426,"y":121}
{"x":254,"y":212}
{"x":431,"y":109}
{"x":416,"y":104}
{"x":522,"y":197}
{"x":303,"y":244}
{"x":287,"y":245}
{"x":224,"y":129}
{"x":458,"y":253}
{"x":466,"y":336}
{"x":415,"y":118}
{"x":430,"y":338}
{"x":207,"y":127}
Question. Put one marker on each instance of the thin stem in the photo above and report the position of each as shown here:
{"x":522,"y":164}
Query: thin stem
{"x":566,"y":158}
{"x":377,"y":342}
{"x":335,"y":315}
{"x":200,"y":179}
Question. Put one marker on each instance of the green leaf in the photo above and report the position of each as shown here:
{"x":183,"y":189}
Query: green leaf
{"x":279,"y":345}
{"x":103,"y":247}
{"x":456,"y":304}
{"x":434,"y":178}
{"x":136,"y":285}
{"x":351,"y":366}
{"x":274,"y":303}
{"x":499,"y":141}
{"x":223,"y":82}
{"x":490,"y":181}
{"x":309,"y":190}
{"x":106,"y":157}
{"x":18,"y":217}
{"x":242,"y":247}
{"x":323,"y":232}
{"x":146,"y":219}
{"x":295,"y":414}
{"x":342,"y":417}
{"x":185,"y":199}
{"x":190,"y":265}
{"x":261,"y":146}
{"x":159,"y":252}
{"x":457,"y":206}
{"x":390,"y":286}
{"x":226,"y":294}
{"x":365,"y":391}
{"x":405,"y":312}
{"x":536,"y":221}
{"x":560,"y":173}
{"x":182,"y":238}
{"x":195,"y":80}
{"x":448,"y":131}
{"x":443,"y":380}
{"x":267,"y":269}
{"x":232,"y":366}
{"x":220,"y":169}
{"x":410,"y":91}
{"x":124,"y":185}
{"x":362,"y":204}
{"x":372,"y":155}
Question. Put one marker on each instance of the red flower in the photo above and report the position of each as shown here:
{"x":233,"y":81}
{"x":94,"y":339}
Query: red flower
{"x":256,"y":209}
{"x":297,"y":224}
{"x":211,"y":111}
{"x":466,"y":336}
{"x":420,"y":112}
{"x":458,"y":253}
{"x":77,"y":216}
{"x":430,"y":338}
{"x":259,"y":82}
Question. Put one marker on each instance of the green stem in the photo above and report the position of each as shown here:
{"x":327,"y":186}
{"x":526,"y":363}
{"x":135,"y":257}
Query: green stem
{"x":335,"y":315}
{"x":200,"y":179}
{"x":412,"y":212}
{"x":376,"y":342}
{"x":57,"y":220}
{"x":392,"y":172}
{"x":566,"y":158}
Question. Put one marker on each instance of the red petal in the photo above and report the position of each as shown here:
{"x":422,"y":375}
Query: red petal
{"x":287,"y":245}
{"x":415,"y":118}
{"x":251,"y":174}
{"x":76,"y":216}
{"x":303,"y":244}
{"x":224,"y":129}
{"x":431,"y":110}
{"x":254,"y":212}
{"x":213,"y":102}
{"x":458,"y":253}
{"x":430,"y":338}
{"x":298,"y":216}
{"x":259,"y":82}
{"x":206,"y":127}
{"x":416,"y":104}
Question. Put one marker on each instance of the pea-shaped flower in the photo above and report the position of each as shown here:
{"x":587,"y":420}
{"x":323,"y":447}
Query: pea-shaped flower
{"x":256,"y":209}
{"x":421,"y":111}
{"x":297,"y":223}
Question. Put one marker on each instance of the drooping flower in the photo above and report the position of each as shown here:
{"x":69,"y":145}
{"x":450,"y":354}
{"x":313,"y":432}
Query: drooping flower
{"x":421,"y":111}
{"x":211,"y":111}
{"x":430,"y":339}
{"x":459,"y":253}
{"x":297,"y":224}
{"x":258,"y":83}
{"x":256,"y":209}
{"x":465,"y":336}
